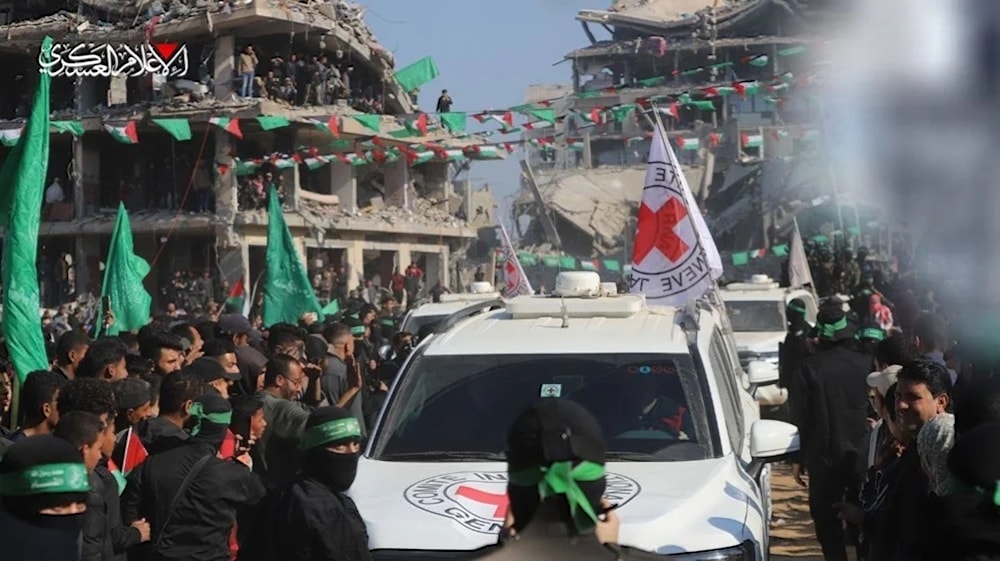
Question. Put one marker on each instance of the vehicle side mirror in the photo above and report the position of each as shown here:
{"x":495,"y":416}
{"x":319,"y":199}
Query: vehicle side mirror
{"x":762,"y":373}
{"x":772,"y":441}
{"x":385,"y":352}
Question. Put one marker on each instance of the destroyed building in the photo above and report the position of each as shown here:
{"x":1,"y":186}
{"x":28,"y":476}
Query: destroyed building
{"x":367,"y":183}
{"x":736,"y":84}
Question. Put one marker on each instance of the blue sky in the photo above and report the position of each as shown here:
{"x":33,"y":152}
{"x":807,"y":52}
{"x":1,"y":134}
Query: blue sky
{"x":487,"y":53}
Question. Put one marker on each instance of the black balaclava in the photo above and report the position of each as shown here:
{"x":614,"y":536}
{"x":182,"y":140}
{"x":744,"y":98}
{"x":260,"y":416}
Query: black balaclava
{"x":326,"y":427}
{"x":43,"y":472}
{"x":211,"y":415}
{"x":556,"y":438}
{"x":796,"y":317}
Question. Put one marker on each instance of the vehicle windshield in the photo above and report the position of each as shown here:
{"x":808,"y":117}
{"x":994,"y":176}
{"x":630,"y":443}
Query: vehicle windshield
{"x":459,"y":407}
{"x":756,"y":315}
{"x":415,"y":323}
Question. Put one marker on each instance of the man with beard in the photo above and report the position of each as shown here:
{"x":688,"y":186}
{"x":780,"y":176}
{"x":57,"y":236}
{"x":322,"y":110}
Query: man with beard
{"x":188,"y":494}
{"x":313,"y":519}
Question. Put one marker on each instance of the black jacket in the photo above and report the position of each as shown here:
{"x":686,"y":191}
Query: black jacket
{"x":199,"y":527}
{"x":829,"y":400}
{"x":104,"y":536}
{"x":546,"y":538}
{"x":909,"y":507}
{"x":307,"y":521}
{"x":158,"y":434}
{"x":21,"y":541}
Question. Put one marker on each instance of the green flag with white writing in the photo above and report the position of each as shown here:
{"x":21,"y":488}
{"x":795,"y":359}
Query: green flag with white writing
{"x":22,"y":184}
{"x":287,"y":291}
{"x":123,"y":276}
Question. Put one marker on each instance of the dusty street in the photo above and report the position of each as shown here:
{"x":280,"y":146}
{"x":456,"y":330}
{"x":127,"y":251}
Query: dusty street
{"x":792,"y":535}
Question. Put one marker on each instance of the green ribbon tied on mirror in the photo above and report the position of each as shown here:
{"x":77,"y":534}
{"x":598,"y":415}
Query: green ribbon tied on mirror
{"x":341,"y":429}
{"x":45,"y":479}
{"x":827,"y":330}
{"x":562,"y":478}
{"x":197,"y":411}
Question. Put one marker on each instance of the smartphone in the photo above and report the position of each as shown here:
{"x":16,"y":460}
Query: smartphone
{"x":105,"y":305}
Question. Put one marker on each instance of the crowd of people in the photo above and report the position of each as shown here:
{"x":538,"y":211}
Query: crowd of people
{"x":216,"y":413}
{"x":897,"y":409}
{"x":253,"y":189}
{"x":317,"y":79}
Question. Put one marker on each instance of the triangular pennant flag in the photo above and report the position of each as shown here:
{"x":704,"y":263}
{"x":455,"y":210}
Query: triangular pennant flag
{"x":232,"y":126}
{"x":126,"y":134}
{"x":334,"y":126}
{"x":332,"y":308}
{"x":135,"y":452}
{"x":180,"y":129}
{"x":373,"y":122}
{"x":270,"y":122}
{"x":454,"y":122}
{"x":9,"y":137}
{"x":73,"y":127}
{"x":421,"y":124}
{"x":547,"y":115}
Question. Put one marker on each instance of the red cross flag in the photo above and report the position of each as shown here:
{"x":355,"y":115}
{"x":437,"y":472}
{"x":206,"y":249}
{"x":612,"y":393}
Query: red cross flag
{"x":674,"y":259}
{"x":513,"y":274}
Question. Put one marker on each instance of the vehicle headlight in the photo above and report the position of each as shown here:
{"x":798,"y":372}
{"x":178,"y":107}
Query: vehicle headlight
{"x":742,"y":552}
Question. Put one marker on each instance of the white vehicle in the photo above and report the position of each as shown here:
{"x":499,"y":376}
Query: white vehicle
{"x":757,"y":314}
{"x":687,"y":460}
{"x":433,"y":312}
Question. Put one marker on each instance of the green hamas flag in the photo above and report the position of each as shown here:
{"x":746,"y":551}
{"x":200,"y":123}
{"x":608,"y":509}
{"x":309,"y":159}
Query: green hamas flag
{"x":22,"y":183}
{"x":287,"y":291}
{"x":123,"y":276}
{"x":417,"y":74}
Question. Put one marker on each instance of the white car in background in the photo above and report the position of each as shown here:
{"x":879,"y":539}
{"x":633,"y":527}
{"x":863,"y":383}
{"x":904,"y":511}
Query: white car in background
{"x":687,"y":460}
{"x":756,"y":312}
{"x":432,"y":313}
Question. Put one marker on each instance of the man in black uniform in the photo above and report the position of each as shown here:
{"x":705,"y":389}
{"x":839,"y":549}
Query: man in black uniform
{"x":313,"y":519}
{"x":830,"y":405}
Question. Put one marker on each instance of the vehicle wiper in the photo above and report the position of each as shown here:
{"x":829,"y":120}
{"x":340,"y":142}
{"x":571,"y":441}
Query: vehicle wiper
{"x":629,"y":457}
{"x":448,"y":455}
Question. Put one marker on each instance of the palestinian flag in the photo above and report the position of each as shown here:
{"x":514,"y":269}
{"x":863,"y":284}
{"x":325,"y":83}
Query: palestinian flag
{"x":135,"y":452}
{"x":752,"y":140}
{"x":126,"y":134}
{"x":589,"y":265}
{"x":232,"y":126}
{"x":688,"y":143}
{"x":129,"y":453}
{"x":9,"y":137}
{"x":237,"y":295}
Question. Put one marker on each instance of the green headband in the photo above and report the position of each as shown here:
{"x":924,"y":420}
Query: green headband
{"x":827,"y":330}
{"x":796,"y":308}
{"x":197,"y":410}
{"x":389,"y":322}
{"x":358,"y":330}
{"x":561,"y":478}
{"x":45,"y":479}
{"x":871,"y":333}
{"x":317,"y":436}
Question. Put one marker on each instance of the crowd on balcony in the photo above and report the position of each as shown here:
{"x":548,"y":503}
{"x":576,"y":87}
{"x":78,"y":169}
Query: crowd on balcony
{"x":254,"y":189}
{"x":316,"y":79}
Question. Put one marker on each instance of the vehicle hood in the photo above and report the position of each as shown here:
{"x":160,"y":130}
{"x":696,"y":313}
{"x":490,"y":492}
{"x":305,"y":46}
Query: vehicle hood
{"x":759,"y":341}
{"x":666,"y":507}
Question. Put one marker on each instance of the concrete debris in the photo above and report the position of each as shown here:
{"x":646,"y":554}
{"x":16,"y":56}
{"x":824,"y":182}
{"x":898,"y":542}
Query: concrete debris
{"x":423,"y":213}
{"x":598,"y":202}
{"x":660,"y":10}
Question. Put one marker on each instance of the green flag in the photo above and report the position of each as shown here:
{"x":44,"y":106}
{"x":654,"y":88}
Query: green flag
{"x":455,"y":122}
{"x":332,"y":309}
{"x":123,"y":276}
{"x":270,"y":122}
{"x":180,"y":129}
{"x":287,"y":291}
{"x":22,"y":182}
{"x":417,"y":74}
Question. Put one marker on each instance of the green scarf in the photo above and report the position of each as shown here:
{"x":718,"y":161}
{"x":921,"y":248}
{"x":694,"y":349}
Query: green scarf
{"x":197,"y":410}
